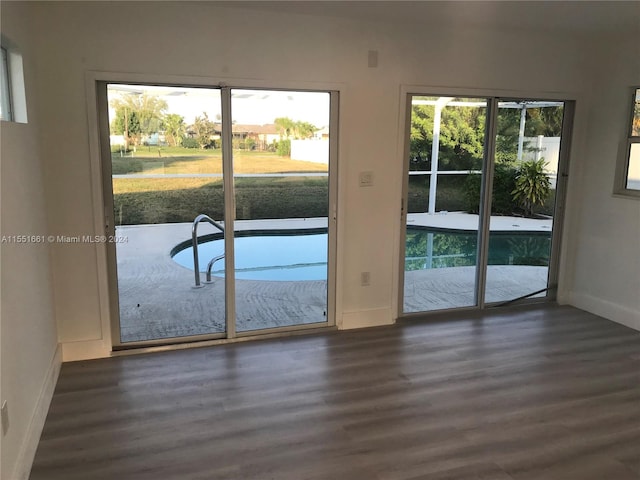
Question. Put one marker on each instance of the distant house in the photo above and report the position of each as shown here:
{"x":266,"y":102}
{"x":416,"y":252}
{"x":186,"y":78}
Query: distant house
{"x":322,"y":134}
{"x":262,"y":135}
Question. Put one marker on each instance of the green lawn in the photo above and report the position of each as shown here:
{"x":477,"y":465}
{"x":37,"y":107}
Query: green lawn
{"x":255,"y":198}
{"x":167,"y":200}
{"x":188,"y":160}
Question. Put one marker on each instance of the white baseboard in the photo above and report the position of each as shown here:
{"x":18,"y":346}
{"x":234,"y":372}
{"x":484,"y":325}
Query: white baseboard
{"x":27,"y":451}
{"x":373,"y":317}
{"x":86,"y":350}
{"x":609,"y":310}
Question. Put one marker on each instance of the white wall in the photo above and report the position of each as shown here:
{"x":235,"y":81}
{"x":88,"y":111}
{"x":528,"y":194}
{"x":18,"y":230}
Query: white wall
{"x":281,"y":49}
{"x":28,"y":359}
{"x":606,"y":231}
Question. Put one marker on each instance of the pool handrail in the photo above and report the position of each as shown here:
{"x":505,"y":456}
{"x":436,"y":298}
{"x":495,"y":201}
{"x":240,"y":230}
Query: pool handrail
{"x":210,"y":266}
{"x":194,"y":241}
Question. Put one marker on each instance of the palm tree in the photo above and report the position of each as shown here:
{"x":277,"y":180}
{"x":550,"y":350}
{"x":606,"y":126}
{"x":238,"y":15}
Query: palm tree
{"x":175,"y":128}
{"x":532,"y":185}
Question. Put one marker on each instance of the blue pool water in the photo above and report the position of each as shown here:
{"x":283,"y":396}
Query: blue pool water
{"x":266,"y":257}
{"x":302,"y":254}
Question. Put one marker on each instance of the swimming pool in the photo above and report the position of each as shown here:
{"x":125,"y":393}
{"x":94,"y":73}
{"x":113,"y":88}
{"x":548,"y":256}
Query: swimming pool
{"x":295,"y":255}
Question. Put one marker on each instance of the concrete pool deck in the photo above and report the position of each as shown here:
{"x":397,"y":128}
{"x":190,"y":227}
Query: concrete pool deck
{"x":469,"y":221}
{"x":158,"y":299}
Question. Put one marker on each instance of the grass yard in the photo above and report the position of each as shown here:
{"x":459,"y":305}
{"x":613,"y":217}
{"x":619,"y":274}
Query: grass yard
{"x":169,"y":200}
{"x":186,"y":160}
{"x":256,"y":198}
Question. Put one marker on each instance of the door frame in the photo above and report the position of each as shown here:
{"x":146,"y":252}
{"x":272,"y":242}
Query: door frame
{"x":102,"y":199}
{"x":493,"y":97}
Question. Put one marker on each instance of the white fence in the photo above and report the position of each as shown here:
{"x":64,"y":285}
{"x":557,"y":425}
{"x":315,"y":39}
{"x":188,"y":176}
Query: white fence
{"x":116,"y":140}
{"x":312,"y":150}
{"x":547,"y":148}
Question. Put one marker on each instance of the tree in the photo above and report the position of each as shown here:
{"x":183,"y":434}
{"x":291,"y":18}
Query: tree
{"x":545,"y":121}
{"x":289,"y":128}
{"x":532,"y":185}
{"x":126,"y":123}
{"x":148,"y":109}
{"x":205,"y":129}
{"x":285,"y":126}
{"x":303,"y":130}
{"x":507,"y":133}
{"x":174,"y":128}
{"x":461,"y":137}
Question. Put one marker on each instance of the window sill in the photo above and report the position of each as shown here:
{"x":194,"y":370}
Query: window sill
{"x":628,"y":194}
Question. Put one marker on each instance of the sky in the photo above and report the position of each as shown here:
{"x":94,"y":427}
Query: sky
{"x":252,"y":107}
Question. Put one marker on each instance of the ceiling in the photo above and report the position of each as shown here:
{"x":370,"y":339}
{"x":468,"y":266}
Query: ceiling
{"x":568,"y":16}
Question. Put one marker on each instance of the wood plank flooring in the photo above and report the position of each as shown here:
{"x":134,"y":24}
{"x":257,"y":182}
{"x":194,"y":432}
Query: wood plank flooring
{"x":539,"y":393}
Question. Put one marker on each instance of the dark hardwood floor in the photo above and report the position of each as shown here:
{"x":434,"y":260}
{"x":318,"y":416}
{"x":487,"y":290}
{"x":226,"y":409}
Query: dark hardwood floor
{"x":545,"y":393}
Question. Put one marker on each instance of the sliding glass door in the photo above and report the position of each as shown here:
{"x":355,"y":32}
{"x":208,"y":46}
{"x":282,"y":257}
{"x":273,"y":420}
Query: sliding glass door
{"x":446,"y":151}
{"x":481,"y":201}
{"x":281,"y":183}
{"x":217,"y":203}
{"x":164,"y":167}
{"x":524,"y":194}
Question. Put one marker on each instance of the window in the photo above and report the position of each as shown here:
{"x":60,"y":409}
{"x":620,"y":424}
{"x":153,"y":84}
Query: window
{"x":6,"y":112}
{"x":628,"y":182}
{"x":13,"y":97}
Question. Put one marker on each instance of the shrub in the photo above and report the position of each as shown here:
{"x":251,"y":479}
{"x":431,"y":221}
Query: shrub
{"x":249,"y":144}
{"x":473,"y":186}
{"x":450,"y":194}
{"x":284,"y":148}
{"x":188,"y":142}
{"x":504,"y":181}
{"x":532,"y":185}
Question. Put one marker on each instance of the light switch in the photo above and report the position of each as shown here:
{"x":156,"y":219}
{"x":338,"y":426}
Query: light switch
{"x":366,"y":179}
{"x":372,"y":58}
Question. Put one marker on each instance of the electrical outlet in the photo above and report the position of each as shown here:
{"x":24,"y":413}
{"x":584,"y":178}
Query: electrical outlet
{"x":365,"y":279}
{"x":4,"y":415}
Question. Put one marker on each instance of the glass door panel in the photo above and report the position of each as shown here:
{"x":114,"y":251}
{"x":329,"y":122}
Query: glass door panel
{"x":446,"y":151}
{"x":528,"y":138}
{"x":165,"y":169}
{"x":281,"y":183}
